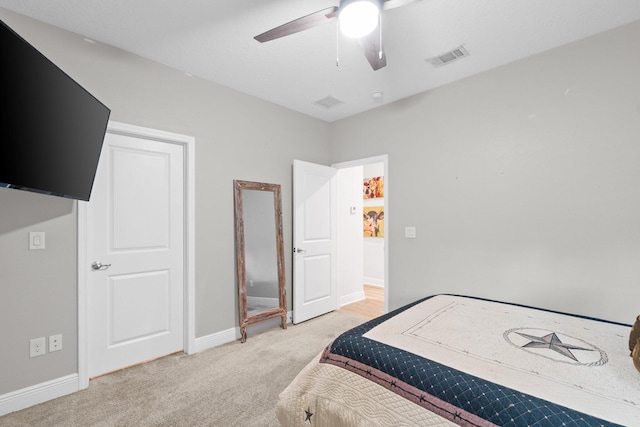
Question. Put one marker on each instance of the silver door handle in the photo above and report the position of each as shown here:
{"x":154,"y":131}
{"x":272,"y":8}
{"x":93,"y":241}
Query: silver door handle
{"x":97,"y":265}
{"x":299,"y":250}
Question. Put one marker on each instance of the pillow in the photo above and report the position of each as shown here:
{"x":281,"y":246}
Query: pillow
{"x":635,"y":334}
{"x":636,"y":355}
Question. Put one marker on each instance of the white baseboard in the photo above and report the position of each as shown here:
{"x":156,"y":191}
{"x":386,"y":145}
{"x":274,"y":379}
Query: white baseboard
{"x":233,"y":334}
{"x":216,"y":339}
{"x":39,"y":393}
{"x":351,"y":298}
{"x":374,"y":281}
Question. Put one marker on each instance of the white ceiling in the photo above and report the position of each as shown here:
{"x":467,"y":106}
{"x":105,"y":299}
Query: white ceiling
{"x":213,"y":39}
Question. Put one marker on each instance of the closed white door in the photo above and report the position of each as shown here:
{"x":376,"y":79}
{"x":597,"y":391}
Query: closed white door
{"x":314,"y":238}
{"x":135,"y":241}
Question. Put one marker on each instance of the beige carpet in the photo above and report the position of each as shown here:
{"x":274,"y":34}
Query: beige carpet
{"x":231,"y":385}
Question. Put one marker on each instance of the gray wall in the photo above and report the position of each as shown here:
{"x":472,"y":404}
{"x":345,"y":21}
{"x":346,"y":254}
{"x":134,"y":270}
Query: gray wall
{"x":38,"y":289}
{"x":523,"y":182}
{"x":237,"y":137}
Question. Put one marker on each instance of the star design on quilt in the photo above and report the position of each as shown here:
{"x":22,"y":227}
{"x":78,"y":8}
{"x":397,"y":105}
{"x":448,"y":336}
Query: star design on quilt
{"x":308,"y":414}
{"x":552,"y":342}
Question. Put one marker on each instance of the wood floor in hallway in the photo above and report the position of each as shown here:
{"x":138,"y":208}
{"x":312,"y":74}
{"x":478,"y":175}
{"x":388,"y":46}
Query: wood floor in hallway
{"x":370,"y":307}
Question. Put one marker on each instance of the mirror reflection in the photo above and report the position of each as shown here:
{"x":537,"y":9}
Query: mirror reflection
{"x":260,"y":250}
{"x":259,"y":253}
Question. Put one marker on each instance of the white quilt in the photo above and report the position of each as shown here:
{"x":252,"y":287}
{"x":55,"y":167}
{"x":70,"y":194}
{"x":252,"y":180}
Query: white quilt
{"x":578,"y":363}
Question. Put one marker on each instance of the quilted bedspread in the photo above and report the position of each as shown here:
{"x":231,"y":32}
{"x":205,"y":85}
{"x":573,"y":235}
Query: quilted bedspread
{"x":453,"y":360}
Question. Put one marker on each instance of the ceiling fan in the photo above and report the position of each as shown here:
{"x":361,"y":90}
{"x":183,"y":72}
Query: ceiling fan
{"x":357,"y":18}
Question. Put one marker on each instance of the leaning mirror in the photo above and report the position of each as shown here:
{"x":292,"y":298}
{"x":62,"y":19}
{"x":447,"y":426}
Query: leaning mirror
{"x":259,"y":253}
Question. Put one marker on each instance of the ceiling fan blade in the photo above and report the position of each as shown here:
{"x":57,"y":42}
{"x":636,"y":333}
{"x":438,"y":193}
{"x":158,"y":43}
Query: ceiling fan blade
{"x":372,"y":46}
{"x":391,"y":4}
{"x":300,"y":24}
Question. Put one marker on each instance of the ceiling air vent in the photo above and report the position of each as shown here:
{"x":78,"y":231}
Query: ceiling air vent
{"x":449,"y":57}
{"x":328,"y":102}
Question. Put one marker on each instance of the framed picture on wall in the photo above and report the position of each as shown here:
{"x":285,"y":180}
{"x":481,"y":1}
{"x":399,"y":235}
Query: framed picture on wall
{"x":373,"y":188}
{"x":373,"y":221}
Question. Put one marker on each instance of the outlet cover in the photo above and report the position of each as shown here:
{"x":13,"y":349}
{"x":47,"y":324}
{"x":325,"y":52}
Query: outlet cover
{"x":37,"y":347}
{"x":55,"y":342}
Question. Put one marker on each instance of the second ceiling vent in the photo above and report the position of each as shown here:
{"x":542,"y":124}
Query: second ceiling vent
{"x":449,"y":57}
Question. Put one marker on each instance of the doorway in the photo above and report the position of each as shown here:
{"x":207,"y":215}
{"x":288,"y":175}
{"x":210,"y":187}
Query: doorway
{"x":375,"y":256}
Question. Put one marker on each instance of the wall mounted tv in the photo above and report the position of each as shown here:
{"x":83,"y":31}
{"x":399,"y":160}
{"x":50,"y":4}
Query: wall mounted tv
{"x":52,"y":129}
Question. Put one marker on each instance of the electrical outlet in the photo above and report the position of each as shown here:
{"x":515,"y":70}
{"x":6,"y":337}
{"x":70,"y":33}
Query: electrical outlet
{"x":37,"y":347}
{"x":55,"y":342}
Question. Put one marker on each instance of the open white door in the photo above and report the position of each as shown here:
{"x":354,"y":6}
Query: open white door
{"x":315,"y":289}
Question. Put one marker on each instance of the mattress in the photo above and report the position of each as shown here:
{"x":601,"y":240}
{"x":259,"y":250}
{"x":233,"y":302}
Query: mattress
{"x":456,"y":360}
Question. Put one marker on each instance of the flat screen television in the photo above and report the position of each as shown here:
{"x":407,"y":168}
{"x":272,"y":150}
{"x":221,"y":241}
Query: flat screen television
{"x":51,"y":128}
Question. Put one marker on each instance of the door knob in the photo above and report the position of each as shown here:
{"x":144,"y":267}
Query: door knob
{"x":97,"y":265}
{"x":299,"y":250}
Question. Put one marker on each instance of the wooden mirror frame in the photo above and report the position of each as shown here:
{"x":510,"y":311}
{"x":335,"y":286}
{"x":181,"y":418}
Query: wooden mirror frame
{"x":281,"y":310}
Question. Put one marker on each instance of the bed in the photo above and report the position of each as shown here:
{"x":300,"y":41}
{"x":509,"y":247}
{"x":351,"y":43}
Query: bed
{"x":457,"y":360}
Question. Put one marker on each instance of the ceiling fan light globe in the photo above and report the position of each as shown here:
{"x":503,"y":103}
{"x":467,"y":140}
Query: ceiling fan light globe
{"x":358,"y":18}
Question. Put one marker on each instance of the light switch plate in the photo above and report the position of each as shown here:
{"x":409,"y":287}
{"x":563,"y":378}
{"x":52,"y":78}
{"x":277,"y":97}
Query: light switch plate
{"x":410,"y":232}
{"x":36,"y":240}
